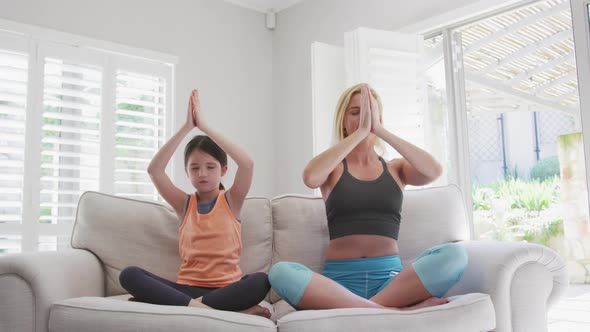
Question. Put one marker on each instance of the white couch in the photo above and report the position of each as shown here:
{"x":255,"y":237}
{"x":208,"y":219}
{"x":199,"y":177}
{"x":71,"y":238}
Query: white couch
{"x":506,"y":287}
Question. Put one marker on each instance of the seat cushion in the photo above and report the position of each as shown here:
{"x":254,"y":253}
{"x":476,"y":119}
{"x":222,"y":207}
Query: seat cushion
{"x":280,"y":309}
{"x":469,"y":313}
{"x":101,"y":314}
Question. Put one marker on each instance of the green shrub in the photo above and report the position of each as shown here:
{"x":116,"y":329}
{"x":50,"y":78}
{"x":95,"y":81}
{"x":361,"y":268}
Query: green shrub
{"x":534,"y":196}
{"x":543,"y":234}
{"x":482,"y":198}
{"x":545,"y":168}
{"x":520,"y":210}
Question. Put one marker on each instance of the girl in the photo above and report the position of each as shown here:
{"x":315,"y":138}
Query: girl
{"x":209,"y":233}
{"x":363,"y":195}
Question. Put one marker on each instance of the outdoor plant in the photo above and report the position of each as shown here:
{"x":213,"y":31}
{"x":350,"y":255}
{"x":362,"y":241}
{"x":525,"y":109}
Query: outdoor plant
{"x":545,"y":168}
{"x":518,"y":210}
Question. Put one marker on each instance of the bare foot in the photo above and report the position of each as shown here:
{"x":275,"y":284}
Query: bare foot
{"x":429,"y":302}
{"x":198,"y":304}
{"x":257,"y":310}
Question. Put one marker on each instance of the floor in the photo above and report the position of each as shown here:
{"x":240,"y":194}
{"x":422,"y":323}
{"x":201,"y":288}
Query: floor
{"x":572,"y":313}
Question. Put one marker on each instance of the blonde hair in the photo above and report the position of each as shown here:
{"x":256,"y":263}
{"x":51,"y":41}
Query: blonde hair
{"x":339,"y":130}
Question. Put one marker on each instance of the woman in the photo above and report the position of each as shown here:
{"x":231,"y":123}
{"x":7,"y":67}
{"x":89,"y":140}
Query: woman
{"x":363,"y":195}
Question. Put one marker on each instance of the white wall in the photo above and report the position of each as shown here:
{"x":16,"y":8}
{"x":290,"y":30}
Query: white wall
{"x":223,"y":49}
{"x":324,"y":21}
{"x":520,"y":142}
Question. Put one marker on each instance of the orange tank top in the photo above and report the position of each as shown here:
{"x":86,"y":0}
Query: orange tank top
{"x":210,"y":246}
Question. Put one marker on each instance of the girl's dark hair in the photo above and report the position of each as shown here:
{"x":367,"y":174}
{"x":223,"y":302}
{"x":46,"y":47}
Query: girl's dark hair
{"x":206,"y":144}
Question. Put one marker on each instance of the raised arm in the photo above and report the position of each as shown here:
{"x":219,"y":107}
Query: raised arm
{"x":417,"y":167}
{"x":243,"y":179}
{"x":157,"y":167}
{"x":319,"y":168}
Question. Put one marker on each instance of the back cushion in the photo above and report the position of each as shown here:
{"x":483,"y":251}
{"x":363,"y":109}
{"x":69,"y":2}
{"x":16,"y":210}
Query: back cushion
{"x":256,"y":221}
{"x":431,"y":216}
{"x":123,"y":232}
{"x":300,"y":231}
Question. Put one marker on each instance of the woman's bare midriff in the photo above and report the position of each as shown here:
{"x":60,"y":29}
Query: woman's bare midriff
{"x":361,"y":246}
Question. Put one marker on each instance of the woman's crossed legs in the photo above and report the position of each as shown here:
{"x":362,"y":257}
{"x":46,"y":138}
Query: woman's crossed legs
{"x":422,"y":284}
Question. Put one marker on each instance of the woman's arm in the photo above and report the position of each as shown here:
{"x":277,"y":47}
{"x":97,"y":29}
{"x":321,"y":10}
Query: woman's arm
{"x":418,"y":167}
{"x":319,"y":168}
{"x":157,"y":167}
{"x":245,"y":172}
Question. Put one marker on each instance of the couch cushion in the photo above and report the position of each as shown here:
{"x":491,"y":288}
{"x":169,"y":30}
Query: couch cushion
{"x":469,"y":313}
{"x":122,"y":232}
{"x":99,"y":314}
{"x":256,"y":235}
{"x":17,"y":304}
{"x":431,"y":216}
{"x":280,"y":309}
{"x":300,"y":231}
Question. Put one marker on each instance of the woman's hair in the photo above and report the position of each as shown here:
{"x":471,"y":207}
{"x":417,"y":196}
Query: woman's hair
{"x":339,"y":130}
{"x":206,"y":144}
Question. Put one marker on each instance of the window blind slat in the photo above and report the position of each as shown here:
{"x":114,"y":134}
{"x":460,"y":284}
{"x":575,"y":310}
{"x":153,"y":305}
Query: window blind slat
{"x":70,"y":145}
{"x":10,"y":244}
{"x":139,"y":129}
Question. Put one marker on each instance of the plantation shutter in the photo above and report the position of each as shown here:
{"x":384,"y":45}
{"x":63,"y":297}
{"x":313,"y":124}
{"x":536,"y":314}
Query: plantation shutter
{"x":140,"y":129}
{"x":13,"y":102}
{"x":391,"y":63}
{"x":70,"y":142}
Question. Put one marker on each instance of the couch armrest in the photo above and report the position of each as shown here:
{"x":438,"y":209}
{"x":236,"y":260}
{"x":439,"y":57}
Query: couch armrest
{"x":522,"y":279}
{"x":31,"y":282}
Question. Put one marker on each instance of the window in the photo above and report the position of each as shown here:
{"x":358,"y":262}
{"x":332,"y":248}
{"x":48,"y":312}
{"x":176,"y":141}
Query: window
{"x":73,"y":119}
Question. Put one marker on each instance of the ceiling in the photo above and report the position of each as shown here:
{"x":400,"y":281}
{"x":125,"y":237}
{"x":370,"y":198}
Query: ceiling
{"x":265,"y":6}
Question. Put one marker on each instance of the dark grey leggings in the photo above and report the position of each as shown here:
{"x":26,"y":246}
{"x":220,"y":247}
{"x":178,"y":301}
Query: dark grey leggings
{"x":238,"y":296}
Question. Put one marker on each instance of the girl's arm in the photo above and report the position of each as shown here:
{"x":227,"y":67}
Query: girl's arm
{"x":319,"y":168}
{"x":243,"y":179}
{"x":157,"y":167}
{"x":417,"y":167}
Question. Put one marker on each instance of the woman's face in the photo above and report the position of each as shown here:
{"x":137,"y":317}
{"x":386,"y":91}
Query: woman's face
{"x":352,"y":114}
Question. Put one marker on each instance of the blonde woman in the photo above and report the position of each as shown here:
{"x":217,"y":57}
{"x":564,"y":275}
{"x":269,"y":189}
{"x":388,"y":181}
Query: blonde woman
{"x":363,"y":195}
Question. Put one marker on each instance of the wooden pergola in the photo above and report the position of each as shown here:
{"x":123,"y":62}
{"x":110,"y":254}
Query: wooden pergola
{"x":521,"y":60}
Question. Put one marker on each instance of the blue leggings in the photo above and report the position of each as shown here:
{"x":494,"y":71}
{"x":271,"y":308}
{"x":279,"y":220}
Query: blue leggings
{"x":439,"y":268}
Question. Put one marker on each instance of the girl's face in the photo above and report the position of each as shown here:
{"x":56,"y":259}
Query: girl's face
{"x":352,"y":114}
{"x":204,"y":171}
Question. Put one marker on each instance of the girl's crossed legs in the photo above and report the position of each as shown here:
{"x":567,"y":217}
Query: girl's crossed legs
{"x":243,"y":295}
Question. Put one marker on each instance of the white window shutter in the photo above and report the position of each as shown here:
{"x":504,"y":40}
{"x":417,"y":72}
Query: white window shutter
{"x":72,"y":119}
{"x":391,"y":63}
{"x":139,"y":131}
{"x":70,"y":139}
{"x":13,"y":102}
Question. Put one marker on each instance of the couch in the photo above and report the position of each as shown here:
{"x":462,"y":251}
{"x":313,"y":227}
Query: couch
{"x":506,"y":286}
